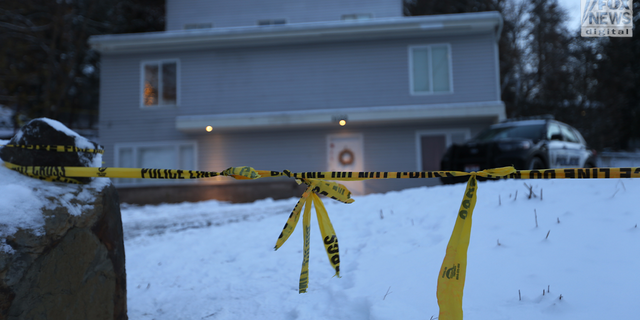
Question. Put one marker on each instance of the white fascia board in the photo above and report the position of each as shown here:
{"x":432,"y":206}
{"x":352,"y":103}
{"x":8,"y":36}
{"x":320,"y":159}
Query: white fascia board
{"x":449,"y":24}
{"x":330,"y":117}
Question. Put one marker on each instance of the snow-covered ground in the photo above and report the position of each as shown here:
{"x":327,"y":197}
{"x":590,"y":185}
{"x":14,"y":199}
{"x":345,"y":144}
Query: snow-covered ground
{"x":214,"y":260}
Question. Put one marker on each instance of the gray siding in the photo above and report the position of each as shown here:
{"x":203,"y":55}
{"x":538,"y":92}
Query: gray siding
{"x":306,"y":77}
{"x":248,"y":12}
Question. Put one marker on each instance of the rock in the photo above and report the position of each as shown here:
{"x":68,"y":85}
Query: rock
{"x":61,"y":245}
{"x":49,"y":132}
{"x":75,"y":270}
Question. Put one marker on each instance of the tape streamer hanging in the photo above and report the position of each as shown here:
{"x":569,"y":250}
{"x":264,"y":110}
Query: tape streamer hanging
{"x":454,"y":267}
{"x":329,"y":237}
{"x":291,"y":223}
{"x":306,"y":225}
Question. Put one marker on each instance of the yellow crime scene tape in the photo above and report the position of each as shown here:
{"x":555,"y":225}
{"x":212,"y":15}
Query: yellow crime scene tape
{"x":451,"y":277}
{"x":53,"y":148}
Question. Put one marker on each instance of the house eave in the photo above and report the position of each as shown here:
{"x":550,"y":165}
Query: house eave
{"x":330,"y":117}
{"x":441,"y":25}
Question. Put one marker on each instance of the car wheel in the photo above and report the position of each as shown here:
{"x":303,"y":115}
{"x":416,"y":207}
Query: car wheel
{"x":535,"y":164}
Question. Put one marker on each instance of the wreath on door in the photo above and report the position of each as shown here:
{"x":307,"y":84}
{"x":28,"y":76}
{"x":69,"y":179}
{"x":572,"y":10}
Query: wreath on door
{"x":346,"y":157}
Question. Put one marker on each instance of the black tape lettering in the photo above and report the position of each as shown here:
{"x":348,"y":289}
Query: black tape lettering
{"x":362,"y":174}
{"x":386,"y":174}
{"x":398,"y":175}
{"x":320,"y":175}
{"x":549,"y":174}
{"x":535,"y":174}
{"x":413,"y":175}
{"x":583,"y":174}
{"x":466,"y":204}
{"x":569,"y":173}
{"x":625,"y":172}
{"x":333,"y":249}
{"x":335,"y":260}
{"x":469,"y":194}
{"x":515,"y":175}
{"x":463,"y":214}
{"x":329,"y":239}
{"x":349,"y":174}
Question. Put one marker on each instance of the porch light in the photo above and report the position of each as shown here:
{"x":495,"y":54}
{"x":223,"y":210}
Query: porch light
{"x":342,"y":122}
{"x":209,"y":128}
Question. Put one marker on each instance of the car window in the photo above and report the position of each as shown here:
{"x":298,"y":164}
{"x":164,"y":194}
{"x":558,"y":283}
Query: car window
{"x":533,"y":132}
{"x":569,"y":135}
{"x":554,"y":129}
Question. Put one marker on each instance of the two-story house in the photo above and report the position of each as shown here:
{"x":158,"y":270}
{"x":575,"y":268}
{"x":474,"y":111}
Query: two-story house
{"x":336,"y":85}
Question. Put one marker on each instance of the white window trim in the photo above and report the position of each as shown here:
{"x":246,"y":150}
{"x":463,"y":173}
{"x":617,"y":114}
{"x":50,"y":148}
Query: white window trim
{"x":438,"y":132}
{"x":160,"y":62}
{"x":136,"y":145}
{"x":422,"y":93}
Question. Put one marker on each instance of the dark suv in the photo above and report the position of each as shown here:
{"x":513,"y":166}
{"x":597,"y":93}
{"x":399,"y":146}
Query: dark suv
{"x":529,"y":144}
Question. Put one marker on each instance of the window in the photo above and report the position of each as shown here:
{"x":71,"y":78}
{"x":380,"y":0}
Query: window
{"x":569,"y":135}
{"x":430,"y":69}
{"x":163,"y":155}
{"x":554,"y":130}
{"x":159,"y":83}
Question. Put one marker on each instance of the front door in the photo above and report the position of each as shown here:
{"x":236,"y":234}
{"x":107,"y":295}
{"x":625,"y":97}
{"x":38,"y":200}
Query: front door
{"x":345,"y":152}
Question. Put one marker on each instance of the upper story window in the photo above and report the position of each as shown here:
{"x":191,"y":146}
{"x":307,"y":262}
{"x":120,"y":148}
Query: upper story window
{"x":430,"y":69}
{"x":160,"y":83}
